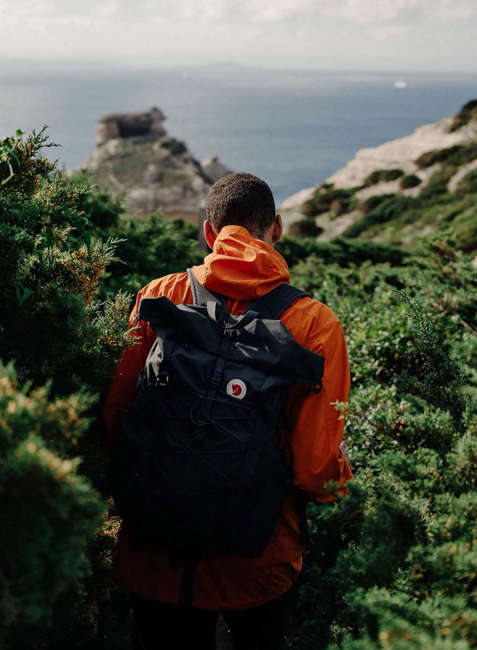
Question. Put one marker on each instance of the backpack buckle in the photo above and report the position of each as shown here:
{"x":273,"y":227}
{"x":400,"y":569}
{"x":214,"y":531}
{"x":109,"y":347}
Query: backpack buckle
{"x":162,"y":379}
{"x":231,"y":332}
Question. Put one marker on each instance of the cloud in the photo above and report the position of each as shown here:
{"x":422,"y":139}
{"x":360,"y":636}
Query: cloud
{"x":43,"y":15}
{"x":22,"y":8}
{"x":26,"y":14}
{"x":25,"y":9}
{"x":362,"y":12}
{"x":193,"y":10}
{"x":355,"y":11}
{"x":367,"y":12}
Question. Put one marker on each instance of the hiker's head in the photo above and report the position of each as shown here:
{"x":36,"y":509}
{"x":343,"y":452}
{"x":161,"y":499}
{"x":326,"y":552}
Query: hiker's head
{"x":242,"y":200}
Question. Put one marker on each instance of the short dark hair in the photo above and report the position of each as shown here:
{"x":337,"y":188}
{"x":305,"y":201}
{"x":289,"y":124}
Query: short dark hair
{"x":241,"y":200}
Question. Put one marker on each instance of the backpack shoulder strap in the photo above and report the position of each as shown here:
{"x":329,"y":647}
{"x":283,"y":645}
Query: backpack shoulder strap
{"x":275,"y":302}
{"x":201,"y":295}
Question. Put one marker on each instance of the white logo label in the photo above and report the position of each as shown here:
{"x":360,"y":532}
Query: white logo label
{"x":236,"y":388}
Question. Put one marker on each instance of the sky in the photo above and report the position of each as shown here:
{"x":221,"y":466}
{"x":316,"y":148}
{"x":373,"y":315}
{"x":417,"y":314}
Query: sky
{"x":438,"y":35}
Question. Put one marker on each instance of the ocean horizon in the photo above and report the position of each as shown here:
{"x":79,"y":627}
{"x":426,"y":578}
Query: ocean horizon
{"x":292,"y":128}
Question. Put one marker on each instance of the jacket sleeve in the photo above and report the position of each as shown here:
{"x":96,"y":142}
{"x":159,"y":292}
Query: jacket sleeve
{"x":317,"y":426}
{"x":122,"y":389}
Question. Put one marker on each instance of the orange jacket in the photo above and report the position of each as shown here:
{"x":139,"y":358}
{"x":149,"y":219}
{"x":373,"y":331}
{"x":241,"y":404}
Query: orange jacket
{"x":244,"y":268}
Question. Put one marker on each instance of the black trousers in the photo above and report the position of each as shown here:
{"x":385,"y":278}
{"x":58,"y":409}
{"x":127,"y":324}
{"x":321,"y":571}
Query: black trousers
{"x":164,"y":626}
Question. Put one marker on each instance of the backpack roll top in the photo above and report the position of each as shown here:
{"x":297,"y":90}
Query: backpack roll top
{"x":249,"y":338}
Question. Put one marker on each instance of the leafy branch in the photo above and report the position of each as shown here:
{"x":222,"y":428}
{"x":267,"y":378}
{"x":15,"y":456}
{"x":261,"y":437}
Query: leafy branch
{"x":8,"y":153}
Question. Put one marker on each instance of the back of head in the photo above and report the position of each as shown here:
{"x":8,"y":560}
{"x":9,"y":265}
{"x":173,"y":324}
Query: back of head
{"x":241,"y":200}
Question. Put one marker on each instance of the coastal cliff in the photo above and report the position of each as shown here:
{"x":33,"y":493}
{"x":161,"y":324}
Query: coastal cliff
{"x":383,"y":191}
{"x":136,"y":157}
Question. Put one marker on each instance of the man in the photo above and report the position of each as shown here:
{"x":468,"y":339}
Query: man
{"x":252,"y":593}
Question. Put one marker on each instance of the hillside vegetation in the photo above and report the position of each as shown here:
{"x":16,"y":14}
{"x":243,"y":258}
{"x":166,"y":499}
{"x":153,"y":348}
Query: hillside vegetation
{"x":393,"y":565}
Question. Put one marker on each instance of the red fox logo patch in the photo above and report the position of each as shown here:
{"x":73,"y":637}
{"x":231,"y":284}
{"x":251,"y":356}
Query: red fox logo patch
{"x":236,"y":388}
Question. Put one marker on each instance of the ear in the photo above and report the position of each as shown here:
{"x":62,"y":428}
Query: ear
{"x":277,"y":229}
{"x":209,"y":234}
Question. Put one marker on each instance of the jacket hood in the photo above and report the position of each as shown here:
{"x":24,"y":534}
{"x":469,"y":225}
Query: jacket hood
{"x":242,"y":267}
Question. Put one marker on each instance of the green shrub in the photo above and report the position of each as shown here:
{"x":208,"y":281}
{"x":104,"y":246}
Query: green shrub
{"x":412,"y":442}
{"x":456,"y":155}
{"x":147,"y":249}
{"x":175,"y":146}
{"x":101,"y":210}
{"x":383,"y":176}
{"x":57,"y":333}
{"x":304,"y":228}
{"x":50,"y":276}
{"x":409,"y":180}
{"x":47,"y":511}
{"x":323,"y":198}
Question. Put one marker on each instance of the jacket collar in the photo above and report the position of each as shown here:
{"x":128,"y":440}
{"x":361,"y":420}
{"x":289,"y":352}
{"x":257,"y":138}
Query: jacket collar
{"x":242,"y":267}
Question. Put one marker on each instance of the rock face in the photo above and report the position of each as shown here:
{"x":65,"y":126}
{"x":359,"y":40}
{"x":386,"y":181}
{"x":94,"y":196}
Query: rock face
{"x":402,"y":153}
{"x":135,"y":156}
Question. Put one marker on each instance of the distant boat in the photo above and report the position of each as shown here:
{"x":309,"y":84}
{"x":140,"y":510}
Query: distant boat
{"x":400,"y":84}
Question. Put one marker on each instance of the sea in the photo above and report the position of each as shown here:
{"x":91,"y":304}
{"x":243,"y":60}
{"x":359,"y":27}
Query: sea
{"x":293,"y":128}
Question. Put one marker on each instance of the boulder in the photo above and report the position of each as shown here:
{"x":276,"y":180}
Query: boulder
{"x":214,"y":169}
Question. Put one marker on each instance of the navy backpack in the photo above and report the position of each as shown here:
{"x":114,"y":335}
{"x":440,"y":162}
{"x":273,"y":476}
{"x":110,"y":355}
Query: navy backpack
{"x":197,"y":466}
